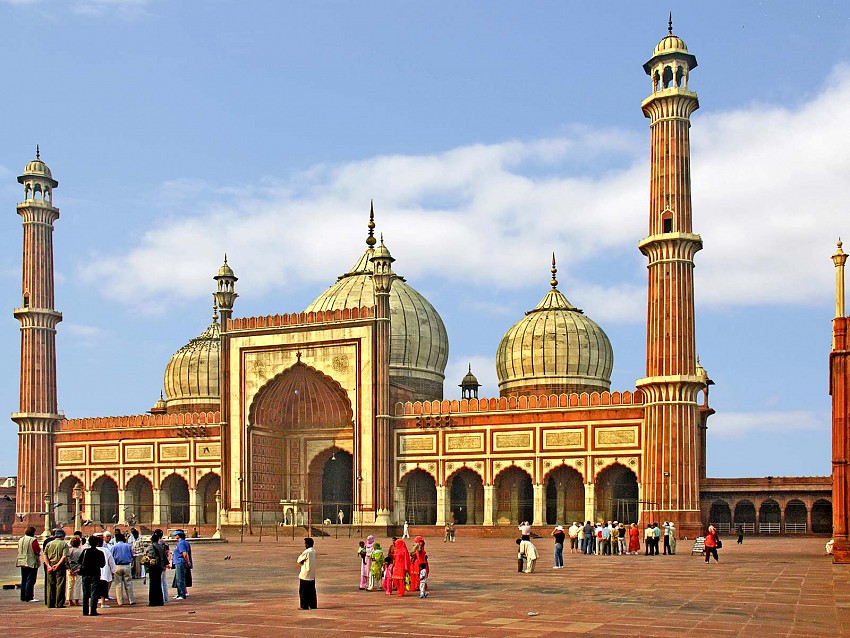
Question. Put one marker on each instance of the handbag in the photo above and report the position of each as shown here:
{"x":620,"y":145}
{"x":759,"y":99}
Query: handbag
{"x":719,"y":544}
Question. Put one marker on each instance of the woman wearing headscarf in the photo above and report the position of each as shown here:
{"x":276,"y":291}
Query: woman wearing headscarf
{"x":154,"y":560}
{"x":401,"y":565}
{"x":366,"y":562}
{"x":377,"y":564}
{"x":417,"y":557}
{"x":712,"y":543}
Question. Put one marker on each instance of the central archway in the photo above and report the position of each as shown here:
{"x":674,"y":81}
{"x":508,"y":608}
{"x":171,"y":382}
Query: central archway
{"x":514,"y":496}
{"x":467,"y":497}
{"x":564,"y":496}
{"x":331,"y":485}
{"x":617,"y":494}
{"x":420,"y":498}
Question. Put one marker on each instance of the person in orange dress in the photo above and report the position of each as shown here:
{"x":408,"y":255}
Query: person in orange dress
{"x":417,"y":557}
{"x":634,"y":539}
{"x":401,"y":565}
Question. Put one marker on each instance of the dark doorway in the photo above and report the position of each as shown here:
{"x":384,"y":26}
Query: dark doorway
{"x":467,"y":494}
{"x":420,"y":498}
{"x":617,"y":495}
{"x":338,"y":487}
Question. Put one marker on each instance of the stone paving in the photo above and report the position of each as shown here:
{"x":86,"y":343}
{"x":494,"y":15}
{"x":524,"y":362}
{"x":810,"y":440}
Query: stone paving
{"x":766,"y":587}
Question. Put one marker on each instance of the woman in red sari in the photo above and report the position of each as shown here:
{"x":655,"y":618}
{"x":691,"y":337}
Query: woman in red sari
{"x":417,"y":557}
{"x":401,"y":565}
{"x":634,"y":540}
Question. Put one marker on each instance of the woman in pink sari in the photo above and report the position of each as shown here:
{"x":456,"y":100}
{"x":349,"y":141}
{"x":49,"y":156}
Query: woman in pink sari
{"x":417,"y":557}
{"x":401,"y":565}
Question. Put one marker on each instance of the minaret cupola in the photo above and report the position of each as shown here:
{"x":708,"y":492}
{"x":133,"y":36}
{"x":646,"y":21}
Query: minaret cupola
{"x":226,"y":293}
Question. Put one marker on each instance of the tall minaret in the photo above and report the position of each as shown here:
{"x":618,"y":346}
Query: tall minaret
{"x":382,"y":279}
{"x":38,"y":408}
{"x":670,"y":473}
{"x":839,"y":388}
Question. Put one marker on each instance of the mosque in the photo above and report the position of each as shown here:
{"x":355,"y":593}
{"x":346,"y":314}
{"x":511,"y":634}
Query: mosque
{"x":339,"y":412}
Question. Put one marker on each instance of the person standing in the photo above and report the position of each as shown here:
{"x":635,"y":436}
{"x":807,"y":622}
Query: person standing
{"x":656,"y":543}
{"x":558,"y":534}
{"x":55,"y":559}
{"x":417,"y":557}
{"x":154,"y":563}
{"x":340,"y":517}
{"x":29,"y":556}
{"x":740,"y":534}
{"x":307,"y":576}
{"x":122,"y":553}
{"x":666,"y":527}
{"x":634,"y":539}
{"x":75,"y":581}
{"x":376,"y":566}
{"x":672,"y":537}
{"x":525,"y":530}
{"x":166,"y":564}
{"x":182,"y":563}
{"x":135,"y":541}
{"x":401,"y":566}
{"x":573,"y":534}
{"x":106,"y":572}
{"x":648,"y":540}
{"x":366,"y":561}
{"x":406,"y":532}
{"x":712,"y":543}
{"x":451,"y":531}
{"x":92,"y":561}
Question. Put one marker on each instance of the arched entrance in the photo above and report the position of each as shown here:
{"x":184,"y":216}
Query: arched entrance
{"x":745,"y":515}
{"x":139,"y":494}
{"x":104,"y":496}
{"x":770,"y":517}
{"x":207,"y":487}
{"x":175,"y":500}
{"x":822,"y":517}
{"x":299,"y":406}
{"x":617,"y":495}
{"x":514,"y":497}
{"x":796,"y":517}
{"x":467,"y":497}
{"x":331,"y":486}
{"x":564,"y":496}
{"x":420,"y":498}
{"x":65,"y":505}
{"x":720,"y":516}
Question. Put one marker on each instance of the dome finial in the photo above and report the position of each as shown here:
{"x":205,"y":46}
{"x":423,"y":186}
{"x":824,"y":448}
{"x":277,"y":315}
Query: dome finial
{"x":215,"y":311}
{"x":370,"y":240}
{"x":554,"y":282}
{"x":37,"y":152}
{"x":670,"y":24}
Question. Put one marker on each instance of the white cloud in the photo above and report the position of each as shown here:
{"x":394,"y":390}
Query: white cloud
{"x":93,"y":8}
{"x":770,"y":192}
{"x":82,"y":330}
{"x":734,"y":425}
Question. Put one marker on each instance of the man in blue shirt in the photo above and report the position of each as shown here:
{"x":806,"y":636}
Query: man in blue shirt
{"x":122,"y":553}
{"x":182,"y":562}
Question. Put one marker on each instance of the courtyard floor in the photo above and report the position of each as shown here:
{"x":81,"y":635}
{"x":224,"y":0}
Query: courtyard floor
{"x":765,"y":587}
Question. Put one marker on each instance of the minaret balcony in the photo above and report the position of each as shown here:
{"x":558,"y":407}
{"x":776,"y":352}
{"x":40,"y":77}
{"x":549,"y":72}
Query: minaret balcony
{"x":38,"y":317}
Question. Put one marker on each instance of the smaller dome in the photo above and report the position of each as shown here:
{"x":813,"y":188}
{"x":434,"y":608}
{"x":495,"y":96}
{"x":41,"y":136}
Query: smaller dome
{"x":382,"y":252}
{"x":191,"y":376}
{"x":670,"y":44}
{"x":469,"y":378}
{"x":38,"y":169}
{"x":225,"y":271}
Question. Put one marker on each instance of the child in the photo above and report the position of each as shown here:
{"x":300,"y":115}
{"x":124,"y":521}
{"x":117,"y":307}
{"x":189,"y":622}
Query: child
{"x":388,"y":574}
{"x":361,"y":552}
{"x":423,"y":579}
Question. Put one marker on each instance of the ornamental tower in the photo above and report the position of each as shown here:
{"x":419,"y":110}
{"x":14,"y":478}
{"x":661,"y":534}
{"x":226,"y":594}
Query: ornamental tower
{"x":670,"y":473}
{"x":38,"y":406}
{"x":839,"y":388}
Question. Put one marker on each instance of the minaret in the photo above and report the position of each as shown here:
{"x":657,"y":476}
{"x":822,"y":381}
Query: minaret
{"x":226,"y":293}
{"x":469,"y":385}
{"x":38,"y":412}
{"x":382,"y":279}
{"x":670,"y":473}
{"x":839,"y":388}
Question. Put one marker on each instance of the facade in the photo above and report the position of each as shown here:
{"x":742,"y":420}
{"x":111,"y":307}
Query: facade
{"x":338,"y":412}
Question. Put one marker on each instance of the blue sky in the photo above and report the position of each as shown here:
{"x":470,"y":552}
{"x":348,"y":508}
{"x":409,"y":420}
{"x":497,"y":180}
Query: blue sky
{"x":489,"y":134}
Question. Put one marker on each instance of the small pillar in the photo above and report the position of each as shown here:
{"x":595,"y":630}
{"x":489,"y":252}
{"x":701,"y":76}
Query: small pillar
{"x":590,"y":501}
{"x":489,"y":491}
{"x":442,"y":513}
{"x":539,"y":504}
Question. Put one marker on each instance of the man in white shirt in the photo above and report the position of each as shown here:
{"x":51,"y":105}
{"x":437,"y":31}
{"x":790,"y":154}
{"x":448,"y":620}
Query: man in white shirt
{"x":573,"y":534}
{"x":307,"y":577}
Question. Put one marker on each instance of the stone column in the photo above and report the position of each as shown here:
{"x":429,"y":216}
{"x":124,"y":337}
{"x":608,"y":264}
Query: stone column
{"x":156,"y":520}
{"x":400,"y":506}
{"x":590,"y":501}
{"x":442,"y":513}
{"x":489,"y":491}
{"x":539,"y":505}
{"x":561,"y":504}
{"x":193,"y":507}
{"x":470,"y":505}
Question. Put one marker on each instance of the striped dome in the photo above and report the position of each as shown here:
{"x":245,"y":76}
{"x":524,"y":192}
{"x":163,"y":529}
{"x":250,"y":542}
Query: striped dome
{"x":419,"y":346}
{"x":554,"y":349}
{"x":191,"y":376}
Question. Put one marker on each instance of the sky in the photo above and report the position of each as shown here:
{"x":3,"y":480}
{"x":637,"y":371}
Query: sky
{"x":489,"y":134}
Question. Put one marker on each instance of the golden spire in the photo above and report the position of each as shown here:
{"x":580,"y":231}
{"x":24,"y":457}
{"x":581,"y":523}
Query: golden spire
{"x":838,"y":259}
{"x":37,"y":152}
{"x":215,"y":308}
{"x":670,"y":24}
{"x":554,"y":282}
{"x":370,"y":240}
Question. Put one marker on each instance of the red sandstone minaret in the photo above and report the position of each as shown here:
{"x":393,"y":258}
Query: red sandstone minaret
{"x":839,"y":388}
{"x":670,"y":474}
{"x":38,"y":409}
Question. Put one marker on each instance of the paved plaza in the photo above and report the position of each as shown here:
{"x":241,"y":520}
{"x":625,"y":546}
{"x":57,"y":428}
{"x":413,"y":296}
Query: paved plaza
{"x":766,"y":587}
